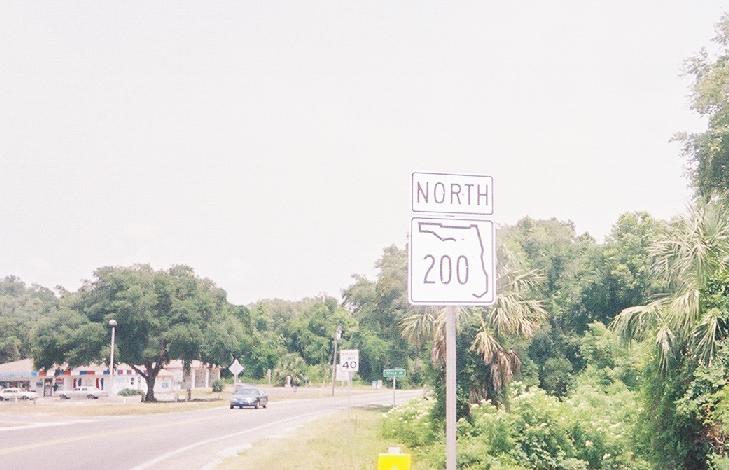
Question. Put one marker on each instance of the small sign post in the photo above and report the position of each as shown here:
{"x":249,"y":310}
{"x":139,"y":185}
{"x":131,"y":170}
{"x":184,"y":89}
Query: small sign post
{"x":393,"y":374}
{"x":451,"y":260}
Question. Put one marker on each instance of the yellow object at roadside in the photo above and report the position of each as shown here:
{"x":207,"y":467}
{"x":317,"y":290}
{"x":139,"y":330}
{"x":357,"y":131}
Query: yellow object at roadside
{"x":392,"y":461}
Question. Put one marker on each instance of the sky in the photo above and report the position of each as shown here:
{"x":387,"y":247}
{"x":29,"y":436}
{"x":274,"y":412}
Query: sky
{"x":269,"y":144}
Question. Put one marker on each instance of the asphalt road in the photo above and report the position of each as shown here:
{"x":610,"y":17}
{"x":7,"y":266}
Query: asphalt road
{"x":185,"y":440}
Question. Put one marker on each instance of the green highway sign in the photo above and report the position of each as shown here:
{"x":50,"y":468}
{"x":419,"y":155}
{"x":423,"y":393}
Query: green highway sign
{"x":393,"y":373}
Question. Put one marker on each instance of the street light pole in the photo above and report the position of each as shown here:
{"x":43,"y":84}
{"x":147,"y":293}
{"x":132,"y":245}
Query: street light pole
{"x":112,"y":324}
{"x":337,"y":336}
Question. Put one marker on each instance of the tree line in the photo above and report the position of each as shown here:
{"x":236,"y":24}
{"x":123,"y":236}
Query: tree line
{"x":174,"y":314}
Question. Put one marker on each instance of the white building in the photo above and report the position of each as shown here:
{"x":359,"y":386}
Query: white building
{"x":22,"y":374}
{"x":170,"y":379}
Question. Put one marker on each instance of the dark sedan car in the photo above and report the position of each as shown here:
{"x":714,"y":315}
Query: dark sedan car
{"x":248,"y":397}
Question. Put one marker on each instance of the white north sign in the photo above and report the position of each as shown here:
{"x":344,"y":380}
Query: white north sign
{"x":452,"y":262}
{"x":453,"y":194}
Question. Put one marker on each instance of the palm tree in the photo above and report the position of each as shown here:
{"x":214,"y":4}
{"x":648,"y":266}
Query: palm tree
{"x":692,"y":251}
{"x":514,"y":314}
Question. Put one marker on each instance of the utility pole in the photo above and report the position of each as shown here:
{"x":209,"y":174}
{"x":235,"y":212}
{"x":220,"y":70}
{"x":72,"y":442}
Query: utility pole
{"x":337,"y":336}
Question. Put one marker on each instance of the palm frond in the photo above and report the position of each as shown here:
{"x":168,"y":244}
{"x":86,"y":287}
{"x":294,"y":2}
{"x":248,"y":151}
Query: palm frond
{"x":695,"y":246}
{"x":665,"y":341}
{"x":485,"y":344}
{"x":418,"y":327}
{"x":502,"y":364}
{"x":518,"y":282}
{"x":635,"y":323}
{"x":438,"y":353}
{"x":684,"y":310}
{"x":503,"y":368}
{"x":514,"y":315}
{"x":707,"y":334}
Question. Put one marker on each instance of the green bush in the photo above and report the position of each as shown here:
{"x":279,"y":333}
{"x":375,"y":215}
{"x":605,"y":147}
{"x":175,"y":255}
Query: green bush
{"x":411,"y":423}
{"x":718,"y":462}
{"x":291,"y":365}
{"x":218,"y":386}
{"x":591,"y":429}
{"x":316,"y":373}
{"x":557,"y":376}
{"x":129,"y":392}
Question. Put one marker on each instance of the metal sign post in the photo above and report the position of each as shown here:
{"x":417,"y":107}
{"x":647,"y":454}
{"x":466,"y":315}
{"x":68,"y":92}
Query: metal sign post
{"x":451,"y":313}
{"x":452,"y":260}
{"x":393,"y":374}
{"x":394,"y":386}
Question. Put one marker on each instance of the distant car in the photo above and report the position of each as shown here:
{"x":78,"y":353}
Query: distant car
{"x":11,"y":394}
{"x":248,"y":397}
{"x":80,"y":392}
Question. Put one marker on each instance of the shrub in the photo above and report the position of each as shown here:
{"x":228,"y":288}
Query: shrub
{"x":591,"y":429}
{"x":129,"y":392}
{"x":557,"y":376}
{"x":291,"y":365}
{"x":316,"y":373}
{"x":411,"y":423}
{"x":218,"y":386}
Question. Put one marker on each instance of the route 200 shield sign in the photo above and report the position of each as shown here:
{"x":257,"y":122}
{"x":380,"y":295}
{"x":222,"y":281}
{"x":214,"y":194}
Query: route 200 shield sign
{"x":452,"y":262}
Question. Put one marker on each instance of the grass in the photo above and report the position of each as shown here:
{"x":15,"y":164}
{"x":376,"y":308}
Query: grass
{"x":349,"y":440}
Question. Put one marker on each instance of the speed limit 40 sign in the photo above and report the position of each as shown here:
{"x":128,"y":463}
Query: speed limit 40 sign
{"x":349,"y":359}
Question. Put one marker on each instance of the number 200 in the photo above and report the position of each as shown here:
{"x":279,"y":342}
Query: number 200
{"x":445,"y":265}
